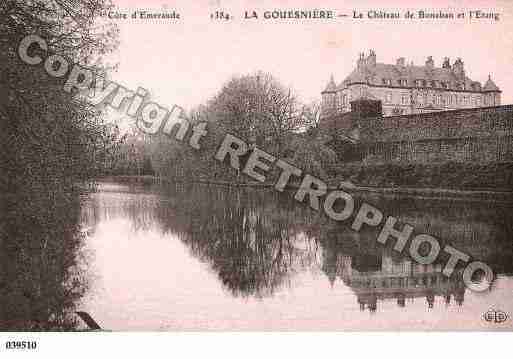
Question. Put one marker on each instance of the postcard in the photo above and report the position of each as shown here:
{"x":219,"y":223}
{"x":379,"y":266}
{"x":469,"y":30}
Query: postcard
{"x":234,"y":166}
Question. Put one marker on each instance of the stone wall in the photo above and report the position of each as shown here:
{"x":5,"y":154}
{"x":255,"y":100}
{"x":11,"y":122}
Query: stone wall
{"x":480,"y":135}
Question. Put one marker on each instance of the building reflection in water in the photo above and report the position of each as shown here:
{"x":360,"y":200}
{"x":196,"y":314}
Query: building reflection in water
{"x":377,"y":278}
{"x":256,"y":241}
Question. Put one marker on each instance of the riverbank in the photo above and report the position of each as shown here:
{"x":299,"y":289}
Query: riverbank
{"x":481,"y":194}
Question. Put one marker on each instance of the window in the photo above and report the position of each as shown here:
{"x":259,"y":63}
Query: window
{"x":389,"y":97}
{"x":404,"y":99}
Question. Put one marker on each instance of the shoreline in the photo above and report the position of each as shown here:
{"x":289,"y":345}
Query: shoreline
{"x":422,"y":192}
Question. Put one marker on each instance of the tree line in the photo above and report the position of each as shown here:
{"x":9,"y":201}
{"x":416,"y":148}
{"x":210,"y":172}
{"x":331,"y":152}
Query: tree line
{"x":256,"y":108}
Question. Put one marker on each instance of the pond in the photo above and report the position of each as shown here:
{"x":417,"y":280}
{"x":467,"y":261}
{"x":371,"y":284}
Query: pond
{"x":203,"y":257}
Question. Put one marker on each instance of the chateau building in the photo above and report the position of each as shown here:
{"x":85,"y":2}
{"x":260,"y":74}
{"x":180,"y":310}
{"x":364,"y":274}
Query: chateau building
{"x":408,"y":89}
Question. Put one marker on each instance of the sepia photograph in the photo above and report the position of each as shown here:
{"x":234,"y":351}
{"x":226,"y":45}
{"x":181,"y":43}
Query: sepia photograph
{"x":254,"y":166}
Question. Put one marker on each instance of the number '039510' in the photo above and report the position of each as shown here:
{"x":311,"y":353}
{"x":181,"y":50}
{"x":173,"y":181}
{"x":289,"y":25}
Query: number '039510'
{"x":20,"y":345}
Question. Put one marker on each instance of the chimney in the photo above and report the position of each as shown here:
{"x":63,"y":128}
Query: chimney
{"x":429,"y":62}
{"x":457,"y":67}
{"x":361,"y":60}
{"x":447,"y":63}
{"x":371,"y":59}
{"x":400,"y":62}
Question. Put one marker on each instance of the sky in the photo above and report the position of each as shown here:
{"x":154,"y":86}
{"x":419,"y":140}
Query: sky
{"x":185,"y":62}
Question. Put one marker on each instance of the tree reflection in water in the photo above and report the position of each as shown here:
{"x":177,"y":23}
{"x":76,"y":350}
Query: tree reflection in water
{"x":247,"y":236}
{"x":257,"y":240}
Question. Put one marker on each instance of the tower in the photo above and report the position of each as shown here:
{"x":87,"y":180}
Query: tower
{"x":492,"y":93}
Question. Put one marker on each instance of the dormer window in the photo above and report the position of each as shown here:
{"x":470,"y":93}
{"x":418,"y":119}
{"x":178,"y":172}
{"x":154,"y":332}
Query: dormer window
{"x":433,"y":83}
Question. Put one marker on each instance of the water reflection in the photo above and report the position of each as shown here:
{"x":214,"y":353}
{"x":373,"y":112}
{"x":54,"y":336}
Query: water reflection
{"x":247,"y":237}
{"x":374,"y":279}
{"x":257,"y":241}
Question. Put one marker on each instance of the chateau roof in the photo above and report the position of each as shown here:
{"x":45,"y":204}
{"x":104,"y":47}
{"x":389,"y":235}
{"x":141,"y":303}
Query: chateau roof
{"x":331,"y":87}
{"x":376,"y":74}
{"x":490,"y":85}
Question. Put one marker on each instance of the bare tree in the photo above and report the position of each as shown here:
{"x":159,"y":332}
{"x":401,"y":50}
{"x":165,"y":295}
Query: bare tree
{"x":259,"y":109}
